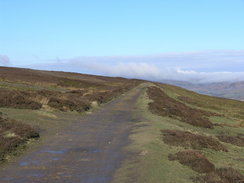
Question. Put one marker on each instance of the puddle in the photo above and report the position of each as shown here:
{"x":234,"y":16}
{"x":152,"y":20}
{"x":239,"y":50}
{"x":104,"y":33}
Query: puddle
{"x":23,"y":163}
{"x":55,"y":159}
{"x":36,"y":175}
{"x":8,"y":178}
{"x":85,"y":150}
{"x":101,"y":179}
{"x":55,"y":151}
{"x":95,"y":151}
{"x":76,"y":149}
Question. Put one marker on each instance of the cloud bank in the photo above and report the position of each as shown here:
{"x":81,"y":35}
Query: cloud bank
{"x":201,"y":67}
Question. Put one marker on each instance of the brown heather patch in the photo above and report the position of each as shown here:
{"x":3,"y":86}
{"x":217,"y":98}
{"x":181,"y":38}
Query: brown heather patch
{"x":63,"y":79}
{"x":74,"y":100}
{"x":166,"y":106}
{"x":221,"y":175}
{"x":222,"y":106}
{"x":187,"y":139}
{"x":105,"y":96}
{"x":76,"y":83}
{"x":235,"y":140}
{"x":13,"y":134}
{"x":79,"y":90}
{"x":195,"y":160}
{"x":16,"y":99}
{"x":72,"y":105}
{"x":81,"y":101}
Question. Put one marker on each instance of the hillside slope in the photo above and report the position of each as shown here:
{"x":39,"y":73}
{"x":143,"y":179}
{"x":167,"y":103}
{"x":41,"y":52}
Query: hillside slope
{"x":185,"y":137}
{"x":38,"y":99}
{"x":33,"y":89}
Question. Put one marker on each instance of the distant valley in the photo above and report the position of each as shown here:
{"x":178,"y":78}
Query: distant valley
{"x":231,"y":90}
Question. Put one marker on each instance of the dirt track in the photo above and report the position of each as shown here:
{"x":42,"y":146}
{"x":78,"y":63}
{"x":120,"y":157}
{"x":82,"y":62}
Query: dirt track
{"x":89,"y":151}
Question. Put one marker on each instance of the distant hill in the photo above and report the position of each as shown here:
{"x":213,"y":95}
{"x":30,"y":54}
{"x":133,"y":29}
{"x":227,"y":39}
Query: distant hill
{"x":232,"y":90}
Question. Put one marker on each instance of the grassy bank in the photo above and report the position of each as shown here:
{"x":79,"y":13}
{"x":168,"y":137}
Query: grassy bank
{"x":153,"y":162}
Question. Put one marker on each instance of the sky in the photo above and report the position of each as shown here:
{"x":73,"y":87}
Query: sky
{"x":200,"y":41}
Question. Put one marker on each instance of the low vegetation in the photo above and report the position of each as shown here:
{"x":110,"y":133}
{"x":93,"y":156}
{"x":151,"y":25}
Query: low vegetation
{"x":195,"y":141}
{"x":14,"y":134}
{"x":221,"y":175}
{"x":166,"y":106}
{"x":225,"y":107}
{"x":193,"y":159}
{"x":30,"y":89}
{"x":235,"y":140}
{"x":199,"y":163}
{"x":17,"y":99}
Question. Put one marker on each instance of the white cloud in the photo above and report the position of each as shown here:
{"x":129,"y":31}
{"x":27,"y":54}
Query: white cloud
{"x":4,"y":60}
{"x":205,"y":77}
{"x":146,"y":71}
{"x":131,"y":69}
{"x":205,"y":66}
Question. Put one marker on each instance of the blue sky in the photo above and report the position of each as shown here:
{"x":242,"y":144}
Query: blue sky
{"x":53,"y":33}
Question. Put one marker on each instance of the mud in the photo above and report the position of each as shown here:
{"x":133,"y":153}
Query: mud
{"x":89,"y":151}
{"x":187,"y":139}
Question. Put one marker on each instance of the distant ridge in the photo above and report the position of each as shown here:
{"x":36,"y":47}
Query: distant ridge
{"x":231,"y":90}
